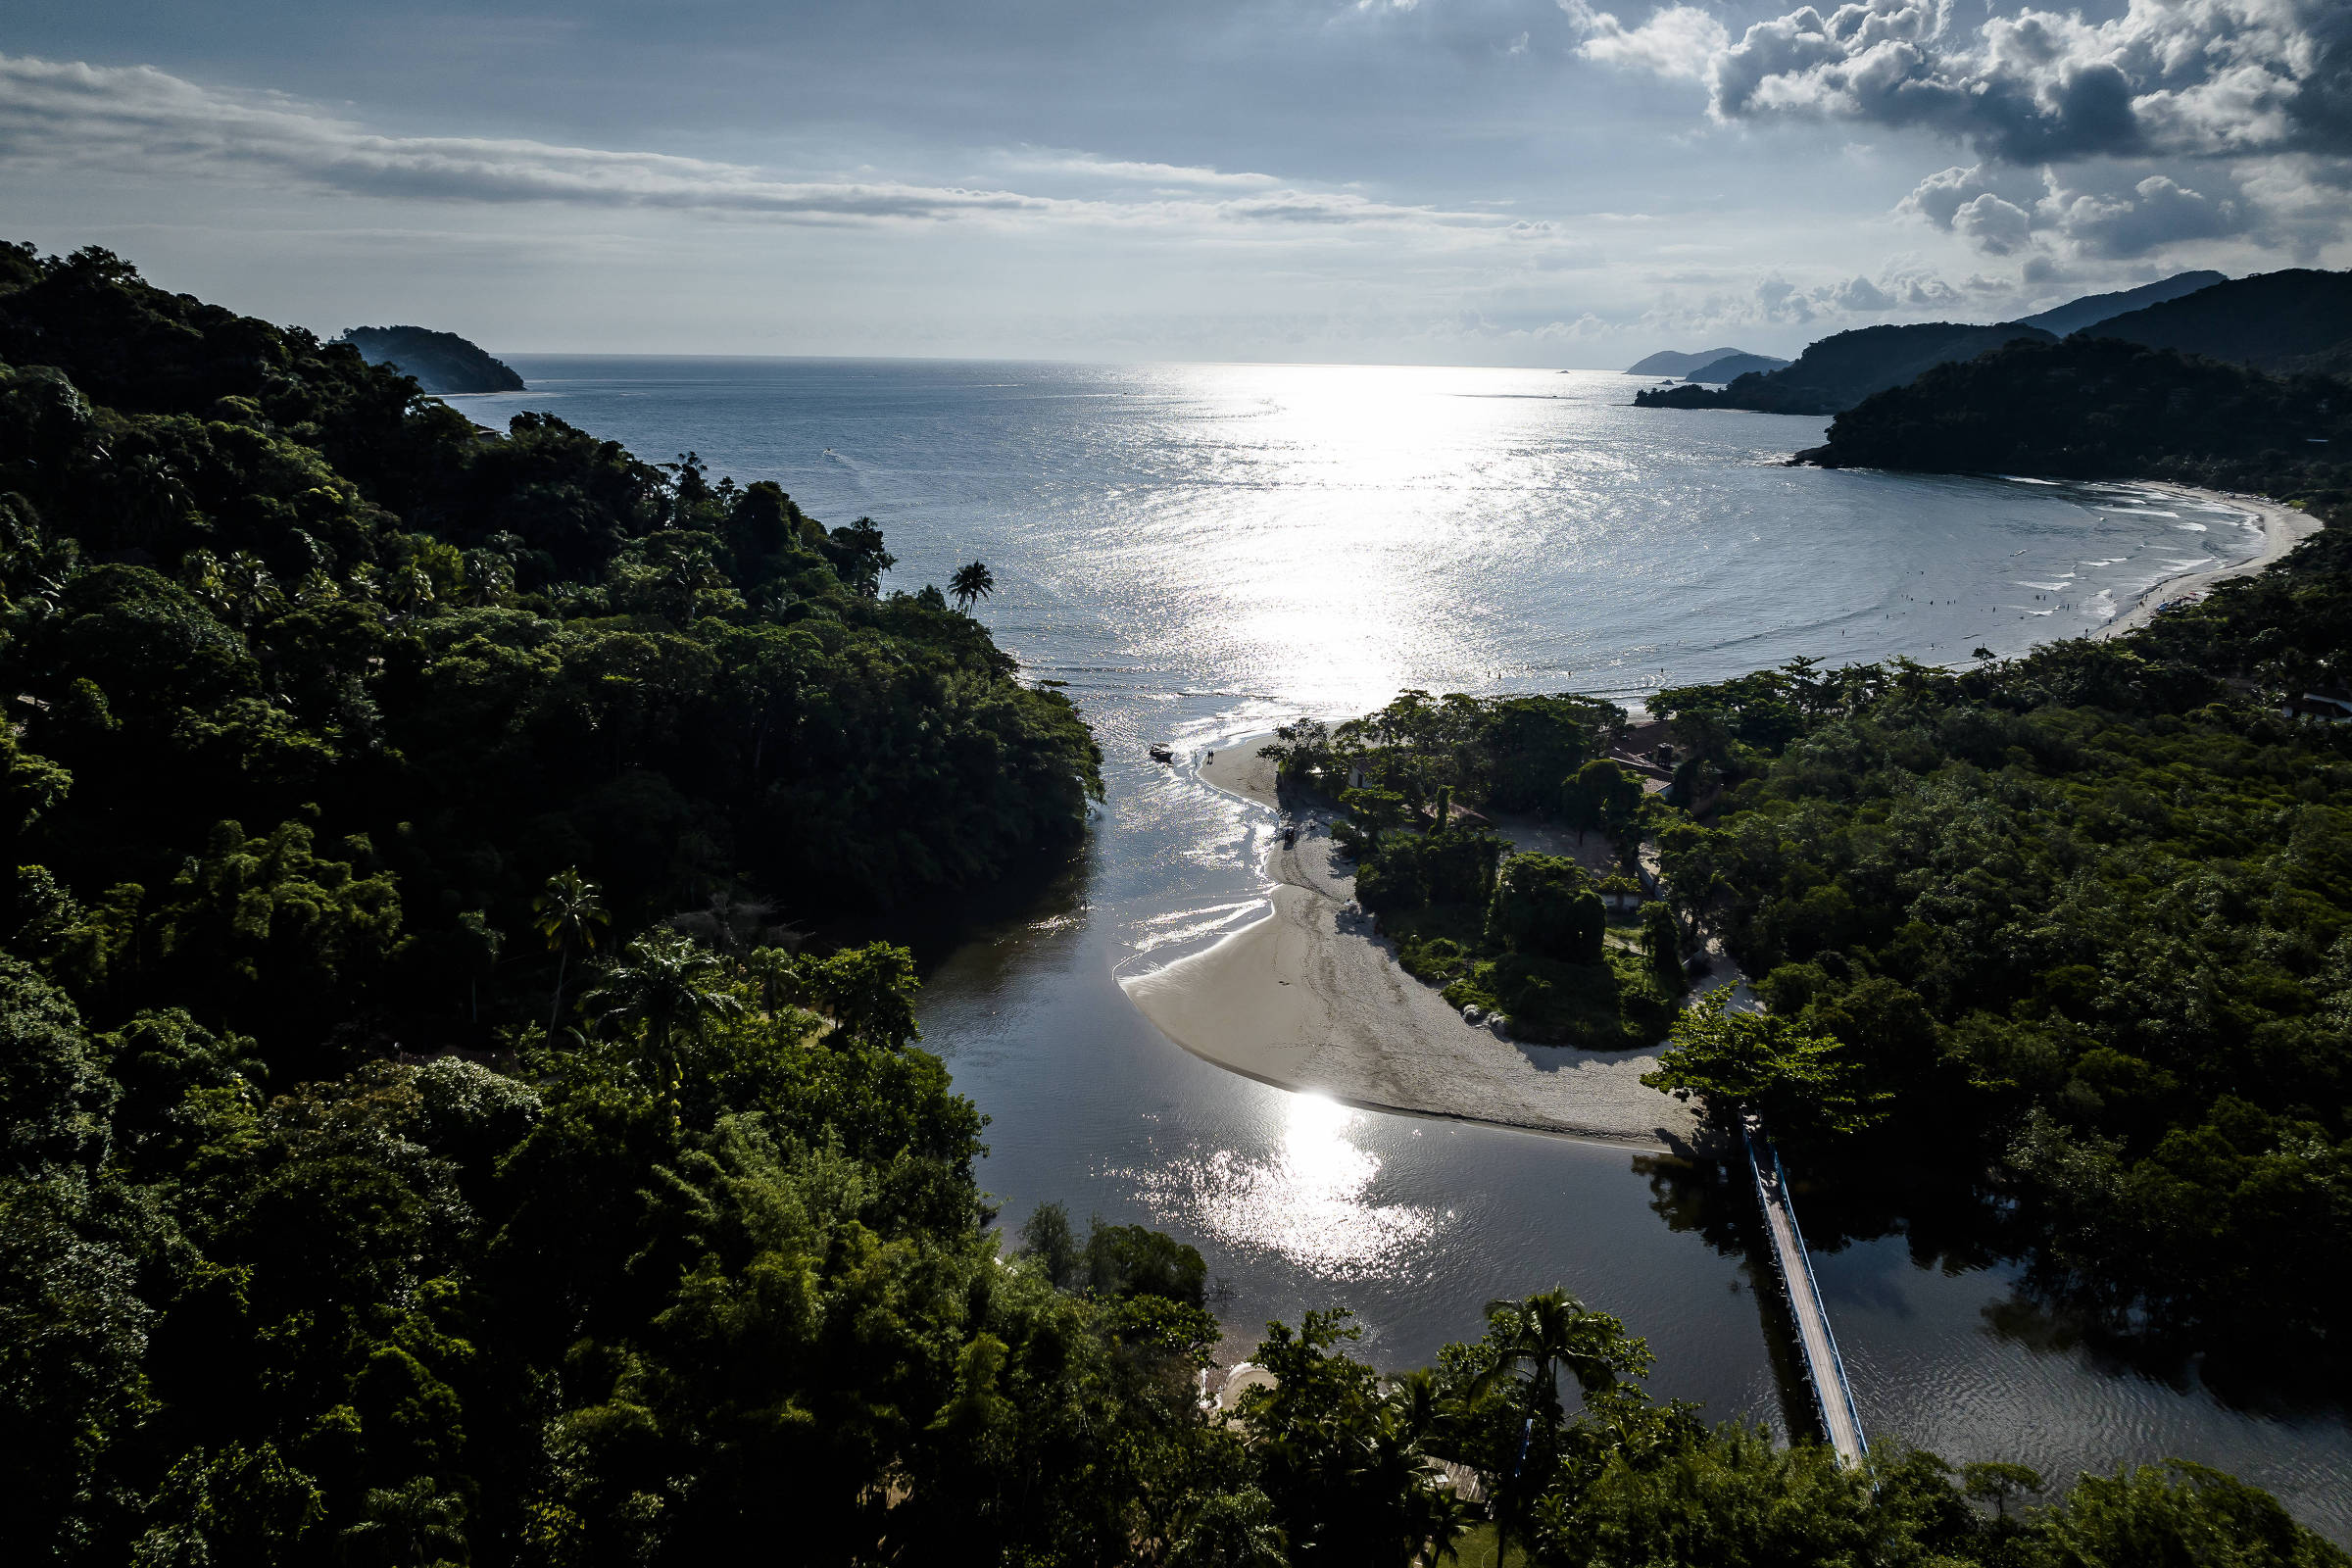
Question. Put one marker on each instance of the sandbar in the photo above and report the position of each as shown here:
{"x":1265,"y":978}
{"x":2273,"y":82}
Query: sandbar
{"x":1311,"y":999}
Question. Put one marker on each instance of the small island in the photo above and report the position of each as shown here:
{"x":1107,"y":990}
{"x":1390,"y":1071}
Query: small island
{"x":440,"y":361}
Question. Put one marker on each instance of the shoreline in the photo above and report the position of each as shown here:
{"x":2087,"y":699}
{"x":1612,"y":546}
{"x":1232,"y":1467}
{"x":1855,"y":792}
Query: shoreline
{"x":1310,"y":1000}
{"x":2282,"y":528}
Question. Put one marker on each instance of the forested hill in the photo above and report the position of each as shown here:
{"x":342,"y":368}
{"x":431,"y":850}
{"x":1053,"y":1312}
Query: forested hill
{"x":2288,"y":323}
{"x":440,"y":362}
{"x":314,"y":685}
{"x":2093,"y":408}
{"x":1843,"y":369}
{"x":2077,"y":929}
{"x":2077,"y":315}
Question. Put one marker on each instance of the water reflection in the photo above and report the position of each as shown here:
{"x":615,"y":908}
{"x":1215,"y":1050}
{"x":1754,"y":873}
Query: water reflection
{"x":1311,"y":1200}
{"x":1200,"y":551}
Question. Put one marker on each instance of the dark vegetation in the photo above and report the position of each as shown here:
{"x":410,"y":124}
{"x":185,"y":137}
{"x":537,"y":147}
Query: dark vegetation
{"x":2292,"y":322}
{"x":2078,"y":929}
{"x":340,"y":733}
{"x":438,"y":362}
{"x":1842,"y":370}
{"x":2097,"y":408}
{"x":314,"y":685}
{"x":2092,"y":309}
{"x":1520,"y":936}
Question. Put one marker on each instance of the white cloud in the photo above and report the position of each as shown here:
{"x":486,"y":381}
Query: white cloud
{"x":59,"y":115}
{"x":2119,"y":219}
{"x":1125,"y":171}
{"x":2166,"y":77}
{"x":1996,"y":227}
{"x":1679,"y":41}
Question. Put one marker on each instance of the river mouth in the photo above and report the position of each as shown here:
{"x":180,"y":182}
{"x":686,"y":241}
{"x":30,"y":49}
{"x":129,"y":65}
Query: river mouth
{"x":1199,"y":553}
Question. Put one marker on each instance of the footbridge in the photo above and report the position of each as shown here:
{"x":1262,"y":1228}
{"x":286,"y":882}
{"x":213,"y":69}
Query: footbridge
{"x":1824,"y":1372}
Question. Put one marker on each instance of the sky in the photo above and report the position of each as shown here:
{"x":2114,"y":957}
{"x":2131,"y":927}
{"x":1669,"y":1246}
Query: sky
{"x":1544,"y":183}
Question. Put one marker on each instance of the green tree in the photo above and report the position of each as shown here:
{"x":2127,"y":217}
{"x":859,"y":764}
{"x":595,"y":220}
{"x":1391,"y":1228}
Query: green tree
{"x":413,"y":1525}
{"x":568,"y":914}
{"x":1662,"y":946}
{"x":869,"y":991}
{"x":1528,"y":1344}
{"x":1545,"y":906}
{"x":971,"y":584}
{"x":1803,"y":1086}
{"x":1602,"y":794}
{"x":660,"y":991}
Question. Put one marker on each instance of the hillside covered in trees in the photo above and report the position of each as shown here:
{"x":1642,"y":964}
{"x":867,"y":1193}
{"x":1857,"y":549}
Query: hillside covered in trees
{"x":438,"y":362}
{"x":312,"y":685}
{"x":2099,"y":408}
{"x":2290,"y":322}
{"x":1842,"y":369}
{"x":420,"y":1148}
{"x":2071,"y":935}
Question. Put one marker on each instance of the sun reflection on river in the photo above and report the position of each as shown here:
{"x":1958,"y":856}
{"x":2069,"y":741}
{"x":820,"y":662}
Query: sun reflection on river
{"x":1311,"y":1200}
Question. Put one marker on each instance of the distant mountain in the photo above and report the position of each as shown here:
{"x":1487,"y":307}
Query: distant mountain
{"x":2092,"y":309}
{"x":2287,"y":323}
{"x":1839,"y":371}
{"x":1672,"y":362}
{"x":441,"y":362}
{"x":1731,"y":367}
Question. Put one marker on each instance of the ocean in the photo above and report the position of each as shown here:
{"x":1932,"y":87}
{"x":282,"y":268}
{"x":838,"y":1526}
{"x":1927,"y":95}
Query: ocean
{"x":1199,"y":552}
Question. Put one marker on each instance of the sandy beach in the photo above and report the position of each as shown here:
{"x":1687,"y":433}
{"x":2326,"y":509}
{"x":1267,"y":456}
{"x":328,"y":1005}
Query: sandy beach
{"x":1309,"y":998}
{"x":2282,"y":528}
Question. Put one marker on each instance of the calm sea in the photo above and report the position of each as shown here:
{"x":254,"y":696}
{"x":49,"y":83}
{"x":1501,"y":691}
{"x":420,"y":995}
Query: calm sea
{"x":1201,"y":551}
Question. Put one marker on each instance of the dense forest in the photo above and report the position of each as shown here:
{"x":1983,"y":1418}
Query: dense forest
{"x":2076,"y":930}
{"x":2292,"y":322}
{"x":429,"y":1142}
{"x":2099,"y":408}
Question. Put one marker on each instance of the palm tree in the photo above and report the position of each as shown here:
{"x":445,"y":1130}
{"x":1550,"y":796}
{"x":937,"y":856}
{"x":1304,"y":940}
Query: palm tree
{"x":409,"y":1526}
{"x":569,"y":913}
{"x":1532,"y":1342}
{"x":668,"y":984}
{"x":970,"y":585}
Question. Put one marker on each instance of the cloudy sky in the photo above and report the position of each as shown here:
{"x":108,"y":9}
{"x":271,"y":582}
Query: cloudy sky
{"x":1565,"y":182}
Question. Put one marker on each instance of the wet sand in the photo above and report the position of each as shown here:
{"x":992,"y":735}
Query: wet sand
{"x":2282,"y":528}
{"x":1309,"y":998}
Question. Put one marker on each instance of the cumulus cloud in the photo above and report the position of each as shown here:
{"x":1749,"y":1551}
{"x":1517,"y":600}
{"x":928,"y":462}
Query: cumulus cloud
{"x":62,"y":116}
{"x":2260,"y":90}
{"x":2122,"y":221}
{"x":1678,"y":40}
{"x":2156,"y":213}
{"x":1996,"y":227}
{"x":1902,"y":287}
{"x":2167,"y":77}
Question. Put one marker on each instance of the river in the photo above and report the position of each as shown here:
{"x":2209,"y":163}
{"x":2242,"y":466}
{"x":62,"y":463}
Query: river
{"x":1199,"y":552}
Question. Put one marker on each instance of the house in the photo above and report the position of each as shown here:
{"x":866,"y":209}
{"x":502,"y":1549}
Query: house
{"x":2328,"y":707}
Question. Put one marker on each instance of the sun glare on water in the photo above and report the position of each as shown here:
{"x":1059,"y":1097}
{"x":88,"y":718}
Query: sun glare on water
{"x":1311,"y":1200}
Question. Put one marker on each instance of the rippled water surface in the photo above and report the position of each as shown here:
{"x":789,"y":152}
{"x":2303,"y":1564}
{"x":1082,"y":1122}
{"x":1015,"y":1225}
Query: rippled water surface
{"x":1199,"y":552}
